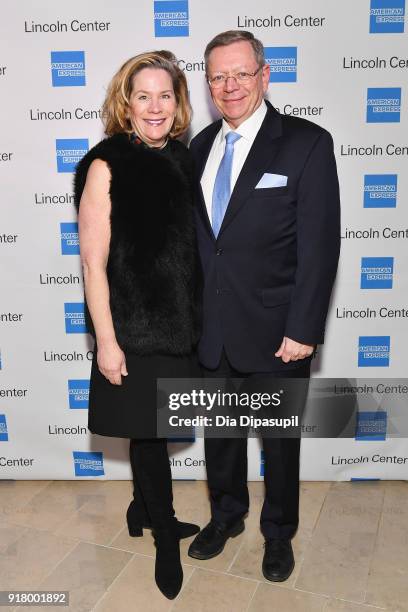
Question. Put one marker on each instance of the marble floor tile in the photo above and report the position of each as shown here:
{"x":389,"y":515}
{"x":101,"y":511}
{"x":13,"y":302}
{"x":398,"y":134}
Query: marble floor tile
{"x":56,"y":502}
{"x":338,"y":605}
{"x":311,"y":499}
{"x":10,"y":534}
{"x":135,"y":589}
{"x":337,"y":560}
{"x":15,"y":494}
{"x":271,"y":597}
{"x":27,"y":560}
{"x":86,"y":573}
{"x":191,"y":501}
{"x":101,"y":518}
{"x":350,"y":549}
{"x":141,"y":546}
{"x":388,"y":579}
{"x":207,"y":591}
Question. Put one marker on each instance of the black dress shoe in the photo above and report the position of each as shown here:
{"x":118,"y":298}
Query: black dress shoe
{"x":211,"y":540}
{"x":137,"y":521}
{"x":278,"y":561}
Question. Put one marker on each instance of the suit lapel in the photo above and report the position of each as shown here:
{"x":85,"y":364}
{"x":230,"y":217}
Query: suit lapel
{"x":201,"y":160}
{"x":263,"y":150}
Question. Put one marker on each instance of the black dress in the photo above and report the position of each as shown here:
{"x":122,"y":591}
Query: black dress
{"x":129,"y":410}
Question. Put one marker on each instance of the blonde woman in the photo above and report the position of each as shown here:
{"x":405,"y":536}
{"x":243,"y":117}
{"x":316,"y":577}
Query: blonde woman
{"x":134,"y":196}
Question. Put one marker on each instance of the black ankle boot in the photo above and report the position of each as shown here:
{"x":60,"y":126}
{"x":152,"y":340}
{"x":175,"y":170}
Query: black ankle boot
{"x":137,"y":520}
{"x":168,"y":570}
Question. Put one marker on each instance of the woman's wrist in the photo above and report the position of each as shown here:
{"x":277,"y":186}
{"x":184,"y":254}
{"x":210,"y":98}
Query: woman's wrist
{"x":105,"y":343}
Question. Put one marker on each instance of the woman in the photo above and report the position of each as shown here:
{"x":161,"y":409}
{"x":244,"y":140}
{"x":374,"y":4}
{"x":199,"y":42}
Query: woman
{"x":133,"y":192}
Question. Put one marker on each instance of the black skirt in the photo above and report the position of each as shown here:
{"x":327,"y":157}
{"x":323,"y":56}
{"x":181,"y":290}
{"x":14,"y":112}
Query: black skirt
{"x":130,"y":410}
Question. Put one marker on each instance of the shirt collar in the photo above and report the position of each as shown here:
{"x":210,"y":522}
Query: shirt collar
{"x":250,"y":127}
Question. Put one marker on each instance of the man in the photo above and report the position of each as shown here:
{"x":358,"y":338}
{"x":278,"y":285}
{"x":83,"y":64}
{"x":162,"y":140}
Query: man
{"x":269,"y":236}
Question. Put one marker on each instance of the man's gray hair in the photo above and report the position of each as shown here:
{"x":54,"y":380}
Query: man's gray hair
{"x":231,"y":36}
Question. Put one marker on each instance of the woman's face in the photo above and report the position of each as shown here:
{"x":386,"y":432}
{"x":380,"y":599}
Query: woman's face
{"x":152,"y":106}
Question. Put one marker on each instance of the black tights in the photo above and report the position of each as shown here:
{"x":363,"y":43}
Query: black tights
{"x":153,"y":489}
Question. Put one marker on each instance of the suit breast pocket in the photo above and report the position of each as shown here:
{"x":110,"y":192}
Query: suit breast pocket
{"x":270,"y":192}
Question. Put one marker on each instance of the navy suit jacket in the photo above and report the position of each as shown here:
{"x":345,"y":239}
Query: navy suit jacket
{"x":270,"y":272}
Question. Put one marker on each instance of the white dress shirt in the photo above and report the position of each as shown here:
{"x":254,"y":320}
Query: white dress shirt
{"x":248,"y":131}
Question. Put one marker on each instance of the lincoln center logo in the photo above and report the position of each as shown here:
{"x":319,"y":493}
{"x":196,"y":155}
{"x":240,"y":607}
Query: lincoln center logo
{"x":387,"y":16}
{"x":68,"y":68}
{"x":69,"y":239}
{"x":380,"y":191}
{"x":3,"y":428}
{"x":283,"y":64}
{"x":262,"y":464}
{"x":374,"y":351}
{"x":376,"y":272}
{"x":75,"y":318}
{"x":69,"y":152}
{"x":171,"y":18}
{"x":383,"y":104}
{"x":371,"y":425}
{"x":88,"y":463}
{"x":78,"y":393}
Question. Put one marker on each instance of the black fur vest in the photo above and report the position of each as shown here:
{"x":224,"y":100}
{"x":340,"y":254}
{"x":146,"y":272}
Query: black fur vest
{"x":153,"y":270}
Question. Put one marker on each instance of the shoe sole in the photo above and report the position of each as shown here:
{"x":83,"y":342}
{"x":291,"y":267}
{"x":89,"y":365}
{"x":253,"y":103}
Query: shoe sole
{"x":232,"y":534}
{"x":282,"y":579}
{"x":138,"y":532}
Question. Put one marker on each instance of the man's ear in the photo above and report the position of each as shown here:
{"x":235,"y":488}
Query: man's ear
{"x":266,"y":71}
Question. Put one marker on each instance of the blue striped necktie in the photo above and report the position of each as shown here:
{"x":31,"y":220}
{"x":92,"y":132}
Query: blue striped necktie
{"x":222,"y":185}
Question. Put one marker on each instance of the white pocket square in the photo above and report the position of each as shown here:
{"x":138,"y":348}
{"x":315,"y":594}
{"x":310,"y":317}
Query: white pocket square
{"x":272,"y":180}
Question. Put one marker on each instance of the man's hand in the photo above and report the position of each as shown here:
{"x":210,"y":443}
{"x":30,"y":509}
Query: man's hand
{"x":290,"y":350}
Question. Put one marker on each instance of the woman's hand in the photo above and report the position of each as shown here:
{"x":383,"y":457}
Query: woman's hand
{"x":111,"y":362}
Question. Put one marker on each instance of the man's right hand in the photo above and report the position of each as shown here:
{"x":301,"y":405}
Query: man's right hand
{"x":112,"y":362}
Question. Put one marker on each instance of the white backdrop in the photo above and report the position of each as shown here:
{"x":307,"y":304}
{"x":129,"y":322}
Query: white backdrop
{"x":328,"y":59}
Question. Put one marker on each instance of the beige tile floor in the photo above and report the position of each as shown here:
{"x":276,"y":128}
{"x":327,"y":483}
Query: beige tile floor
{"x":351,"y":550}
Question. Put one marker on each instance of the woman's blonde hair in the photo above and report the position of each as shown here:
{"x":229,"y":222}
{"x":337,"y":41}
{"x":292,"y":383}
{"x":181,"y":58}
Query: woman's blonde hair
{"x":115,"y":109}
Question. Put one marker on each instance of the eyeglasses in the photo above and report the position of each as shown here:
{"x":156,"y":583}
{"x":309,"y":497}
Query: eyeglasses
{"x":241,"y":77}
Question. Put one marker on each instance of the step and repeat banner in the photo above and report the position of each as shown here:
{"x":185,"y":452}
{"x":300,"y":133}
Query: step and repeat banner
{"x":343,"y":65}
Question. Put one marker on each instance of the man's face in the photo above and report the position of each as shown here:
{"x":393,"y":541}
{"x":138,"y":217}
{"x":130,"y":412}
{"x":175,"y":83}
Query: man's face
{"x":236,"y":102}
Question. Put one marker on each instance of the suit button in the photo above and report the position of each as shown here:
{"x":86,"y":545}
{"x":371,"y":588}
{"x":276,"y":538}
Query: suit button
{"x":218,"y":252}
{"x":217,"y":291}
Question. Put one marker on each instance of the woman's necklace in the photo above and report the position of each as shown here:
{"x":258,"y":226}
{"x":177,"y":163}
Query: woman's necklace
{"x":137,"y":140}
